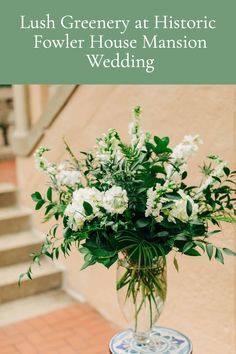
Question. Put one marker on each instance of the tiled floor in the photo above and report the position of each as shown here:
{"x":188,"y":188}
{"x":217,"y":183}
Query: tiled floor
{"x":7,"y":171}
{"x":77,"y":329}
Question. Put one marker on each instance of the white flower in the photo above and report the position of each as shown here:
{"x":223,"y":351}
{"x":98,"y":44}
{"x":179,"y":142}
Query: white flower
{"x":209,"y":180}
{"x":156,"y":199}
{"x":217,"y":172}
{"x":153,"y":206}
{"x":138,"y":137}
{"x":68,"y":178}
{"x":42,"y":164}
{"x":76,"y":216}
{"x":179,"y":209}
{"x":181,"y":153}
{"x":107,"y":148}
{"x":219,"y":169}
{"x":186,"y":148}
{"x":76,"y":212}
{"x":173,"y":174}
{"x":115,"y":200}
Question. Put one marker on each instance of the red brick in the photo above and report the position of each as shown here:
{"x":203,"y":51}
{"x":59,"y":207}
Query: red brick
{"x":25,"y":348}
{"x":75,"y":330}
{"x":8,"y":171}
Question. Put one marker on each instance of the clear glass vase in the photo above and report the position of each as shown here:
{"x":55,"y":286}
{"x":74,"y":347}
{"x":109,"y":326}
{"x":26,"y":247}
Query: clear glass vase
{"x":141,"y":295}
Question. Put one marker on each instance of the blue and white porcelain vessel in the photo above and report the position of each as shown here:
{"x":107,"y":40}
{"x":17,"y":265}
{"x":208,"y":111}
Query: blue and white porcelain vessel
{"x":163,"y":341}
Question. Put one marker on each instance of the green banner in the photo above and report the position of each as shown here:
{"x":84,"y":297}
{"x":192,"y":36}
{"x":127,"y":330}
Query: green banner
{"x":122,"y":42}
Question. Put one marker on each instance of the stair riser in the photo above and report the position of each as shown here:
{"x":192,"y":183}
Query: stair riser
{"x":8,"y":199}
{"x":17,"y":255}
{"x":17,"y":224}
{"x":48,"y":282}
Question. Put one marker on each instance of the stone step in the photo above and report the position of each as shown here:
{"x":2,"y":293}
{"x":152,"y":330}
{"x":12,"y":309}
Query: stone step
{"x":32,"y":306}
{"x":14,"y":219}
{"x":46,"y":277}
{"x":6,"y":153}
{"x":8,"y":195}
{"x":15,"y":248}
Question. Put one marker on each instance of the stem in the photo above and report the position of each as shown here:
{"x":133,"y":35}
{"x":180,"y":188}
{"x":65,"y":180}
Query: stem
{"x":146,"y":283}
{"x":150,"y":309}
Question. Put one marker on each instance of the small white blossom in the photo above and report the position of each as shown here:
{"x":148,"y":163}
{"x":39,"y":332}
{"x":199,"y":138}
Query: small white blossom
{"x":217,"y":172}
{"x":153,"y":205}
{"x":181,"y":153}
{"x":138,"y":137}
{"x":173,"y":174}
{"x":68,"y":178}
{"x":75,"y":210}
{"x":179,"y":209}
{"x":219,"y":169}
{"x":186,"y":148}
{"x":155,"y":199}
{"x":107,"y":148}
{"x":115,"y":200}
{"x":42,"y":164}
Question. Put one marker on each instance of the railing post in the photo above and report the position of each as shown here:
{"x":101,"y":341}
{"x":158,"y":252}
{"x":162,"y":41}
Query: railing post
{"x":21,"y":108}
{"x":22,"y":117}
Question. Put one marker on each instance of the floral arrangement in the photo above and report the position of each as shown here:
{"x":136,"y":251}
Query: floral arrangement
{"x":133,"y":200}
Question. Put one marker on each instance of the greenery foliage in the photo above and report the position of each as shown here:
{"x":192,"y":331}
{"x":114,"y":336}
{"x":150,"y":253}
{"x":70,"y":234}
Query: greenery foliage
{"x":133,"y":199}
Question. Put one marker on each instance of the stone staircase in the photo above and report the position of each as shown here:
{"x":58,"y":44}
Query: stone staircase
{"x":17,"y":240}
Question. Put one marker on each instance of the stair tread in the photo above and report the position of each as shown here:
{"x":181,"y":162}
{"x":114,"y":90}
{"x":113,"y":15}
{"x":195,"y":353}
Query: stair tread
{"x":12,"y":212}
{"x":19,"y":239}
{"x":10,"y":274}
{"x":36,"y":305}
{"x":7,"y":187}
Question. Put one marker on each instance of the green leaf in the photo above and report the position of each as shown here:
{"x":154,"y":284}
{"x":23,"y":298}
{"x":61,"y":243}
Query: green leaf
{"x":187,"y":246}
{"x":157,"y":140}
{"x":161,"y":145}
{"x":21,"y":276}
{"x":192,"y":252}
{"x":67,"y":232}
{"x":216,"y":179}
{"x":137,"y":111}
{"x":209,"y":234}
{"x":173,"y":196}
{"x":226,"y":218}
{"x":181,"y":237}
{"x":48,"y":254}
{"x":39,"y":204}
{"x":88,"y":208}
{"x":158,"y":169}
{"x":226,"y":171}
{"x":48,"y":208}
{"x":163,"y":234}
{"x":200,"y":244}
{"x":219,"y":256}
{"x":176,"y":264}
{"x":49,"y":194}
{"x":36,"y":196}
{"x":213,"y":157}
{"x":57,"y":253}
{"x":108,"y":261}
{"x":165,"y":140}
{"x":189,"y":208}
{"x":209,"y":250}
{"x":83,"y":250}
{"x":88,"y":263}
{"x":140,"y":223}
{"x":184,"y":175}
{"x":229,"y":252}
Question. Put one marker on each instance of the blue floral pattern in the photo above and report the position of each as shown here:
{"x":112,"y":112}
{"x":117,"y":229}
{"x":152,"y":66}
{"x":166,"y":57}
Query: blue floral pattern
{"x":163,"y":341}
